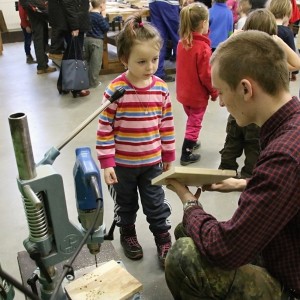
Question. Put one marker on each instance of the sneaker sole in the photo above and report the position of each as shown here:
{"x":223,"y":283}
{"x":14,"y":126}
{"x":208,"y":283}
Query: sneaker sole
{"x":185,"y":163}
{"x":133,"y":256}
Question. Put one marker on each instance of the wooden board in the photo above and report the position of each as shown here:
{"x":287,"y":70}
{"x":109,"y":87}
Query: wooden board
{"x":193,"y":176}
{"x":108,"y":281}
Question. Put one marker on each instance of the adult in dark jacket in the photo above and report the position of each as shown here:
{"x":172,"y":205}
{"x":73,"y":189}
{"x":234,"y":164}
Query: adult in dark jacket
{"x":39,"y":26}
{"x":70,"y":18}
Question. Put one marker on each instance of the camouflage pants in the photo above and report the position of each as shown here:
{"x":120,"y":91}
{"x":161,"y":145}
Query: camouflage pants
{"x":190,"y":276}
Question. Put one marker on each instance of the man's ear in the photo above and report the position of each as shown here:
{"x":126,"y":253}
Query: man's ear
{"x":246,"y":88}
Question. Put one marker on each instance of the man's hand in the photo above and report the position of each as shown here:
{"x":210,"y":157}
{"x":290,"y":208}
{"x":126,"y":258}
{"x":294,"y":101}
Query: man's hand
{"x":110,"y":176}
{"x":226,"y":186}
{"x":182,"y":191}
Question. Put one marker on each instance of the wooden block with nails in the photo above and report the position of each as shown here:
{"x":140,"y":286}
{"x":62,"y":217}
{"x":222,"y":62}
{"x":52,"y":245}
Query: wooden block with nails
{"x":108,"y":281}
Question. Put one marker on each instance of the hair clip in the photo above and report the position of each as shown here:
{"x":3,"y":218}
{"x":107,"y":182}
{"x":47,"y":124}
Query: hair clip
{"x":141,"y":24}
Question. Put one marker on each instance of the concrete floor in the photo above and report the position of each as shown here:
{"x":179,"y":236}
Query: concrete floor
{"x":51,"y":118}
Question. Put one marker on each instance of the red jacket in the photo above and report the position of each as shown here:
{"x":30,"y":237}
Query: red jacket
{"x":23,"y":16}
{"x":295,"y":12}
{"x":193,"y":74}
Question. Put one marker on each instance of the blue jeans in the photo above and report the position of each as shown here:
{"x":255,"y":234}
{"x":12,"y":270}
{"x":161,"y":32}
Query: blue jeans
{"x":27,"y":41}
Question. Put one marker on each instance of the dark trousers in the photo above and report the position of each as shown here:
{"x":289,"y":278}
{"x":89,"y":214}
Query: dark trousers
{"x":39,"y":25}
{"x":135,"y":182}
{"x":57,"y":41}
{"x":239,"y":140}
{"x":73,"y":50}
{"x":27,"y":41}
{"x":165,"y":18}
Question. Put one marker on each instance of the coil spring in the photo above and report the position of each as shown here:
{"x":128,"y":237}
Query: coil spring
{"x":36,"y":219}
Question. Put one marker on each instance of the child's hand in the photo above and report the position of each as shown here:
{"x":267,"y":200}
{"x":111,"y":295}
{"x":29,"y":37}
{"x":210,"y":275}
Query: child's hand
{"x":110,"y":176}
{"x":166,"y":166}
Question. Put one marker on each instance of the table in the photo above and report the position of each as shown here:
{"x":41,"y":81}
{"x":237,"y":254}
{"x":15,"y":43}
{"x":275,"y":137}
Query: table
{"x":113,"y":10}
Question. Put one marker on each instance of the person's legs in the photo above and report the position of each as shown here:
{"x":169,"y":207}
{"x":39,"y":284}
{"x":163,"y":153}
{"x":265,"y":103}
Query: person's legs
{"x":38,"y":24}
{"x":251,"y":149}
{"x":125,"y":196}
{"x":157,"y":20}
{"x":57,"y":42}
{"x":171,"y":17}
{"x":233,"y":146}
{"x":190,"y":276}
{"x":94,"y":58}
{"x":193,"y":127}
{"x":156,"y":208}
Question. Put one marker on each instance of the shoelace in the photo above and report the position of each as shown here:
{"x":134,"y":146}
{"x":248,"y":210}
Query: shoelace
{"x":132,"y":241}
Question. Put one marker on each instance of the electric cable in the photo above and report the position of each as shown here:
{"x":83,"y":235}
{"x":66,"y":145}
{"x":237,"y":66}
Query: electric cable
{"x":18,"y":285}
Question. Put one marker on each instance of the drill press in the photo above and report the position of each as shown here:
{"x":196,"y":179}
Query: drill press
{"x":53,"y":238}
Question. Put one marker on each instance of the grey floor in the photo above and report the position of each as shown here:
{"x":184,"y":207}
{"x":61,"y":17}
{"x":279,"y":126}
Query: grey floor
{"x":51,"y":118}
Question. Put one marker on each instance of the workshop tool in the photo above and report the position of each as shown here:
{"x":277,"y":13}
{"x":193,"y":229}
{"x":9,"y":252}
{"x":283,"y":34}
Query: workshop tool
{"x":53,"y":238}
{"x":6,"y":289}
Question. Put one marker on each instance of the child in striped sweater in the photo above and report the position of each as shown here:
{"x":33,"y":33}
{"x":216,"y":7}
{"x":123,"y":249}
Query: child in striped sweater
{"x":135,"y":138}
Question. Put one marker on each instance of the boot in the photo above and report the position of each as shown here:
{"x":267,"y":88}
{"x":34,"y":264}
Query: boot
{"x":163,"y":244}
{"x":30,"y":60}
{"x":132,"y":248}
{"x":196,"y":146}
{"x":187,"y":156}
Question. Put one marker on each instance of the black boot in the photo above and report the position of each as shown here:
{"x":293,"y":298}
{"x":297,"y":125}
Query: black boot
{"x":187,"y":156}
{"x":163,"y":244}
{"x":132,"y":248}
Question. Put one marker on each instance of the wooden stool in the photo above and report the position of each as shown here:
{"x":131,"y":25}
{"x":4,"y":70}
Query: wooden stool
{"x":3,"y":28}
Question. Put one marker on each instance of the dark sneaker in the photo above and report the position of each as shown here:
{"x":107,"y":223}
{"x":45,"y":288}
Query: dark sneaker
{"x":163,"y":244}
{"x":189,"y":159}
{"x":132,"y":248}
{"x":168,"y":78}
{"x":30,"y":60}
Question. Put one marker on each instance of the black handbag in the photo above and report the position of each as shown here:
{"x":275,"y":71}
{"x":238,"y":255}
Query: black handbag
{"x":74,"y":71}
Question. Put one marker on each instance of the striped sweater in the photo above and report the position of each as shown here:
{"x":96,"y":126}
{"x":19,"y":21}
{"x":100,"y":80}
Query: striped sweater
{"x":138,"y":129}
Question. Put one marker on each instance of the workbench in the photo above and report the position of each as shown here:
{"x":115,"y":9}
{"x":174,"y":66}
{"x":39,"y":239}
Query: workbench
{"x":110,"y":63}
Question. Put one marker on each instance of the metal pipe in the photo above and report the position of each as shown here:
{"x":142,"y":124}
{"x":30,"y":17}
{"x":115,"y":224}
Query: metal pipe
{"x":22,"y":146}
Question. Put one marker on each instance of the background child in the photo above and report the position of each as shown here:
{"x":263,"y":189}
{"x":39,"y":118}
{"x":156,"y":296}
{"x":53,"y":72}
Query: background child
{"x":244,"y":8}
{"x":26,"y":28}
{"x":193,"y":78}
{"x":93,"y":42}
{"x":282,"y":9}
{"x":135,"y":138}
{"x":220,"y":23}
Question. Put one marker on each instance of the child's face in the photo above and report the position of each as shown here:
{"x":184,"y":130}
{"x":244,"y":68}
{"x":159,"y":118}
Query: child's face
{"x":143,"y":60}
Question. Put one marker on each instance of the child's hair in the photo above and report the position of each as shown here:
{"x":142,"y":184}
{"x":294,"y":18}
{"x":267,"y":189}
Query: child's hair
{"x":135,"y":30}
{"x":261,"y":19}
{"x":220,"y":1}
{"x":280,"y":8}
{"x":190,"y":18}
{"x":244,"y":6}
{"x":97,"y":3}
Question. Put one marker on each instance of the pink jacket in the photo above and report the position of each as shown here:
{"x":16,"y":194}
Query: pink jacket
{"x":233,"y":6}
{"x":193,"y":74}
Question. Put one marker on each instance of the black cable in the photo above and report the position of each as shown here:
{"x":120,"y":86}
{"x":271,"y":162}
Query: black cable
{"x":72,"y":259}
{"x":18,"y":285}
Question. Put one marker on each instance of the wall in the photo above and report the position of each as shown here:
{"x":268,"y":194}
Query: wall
{"x":11,"y":16}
